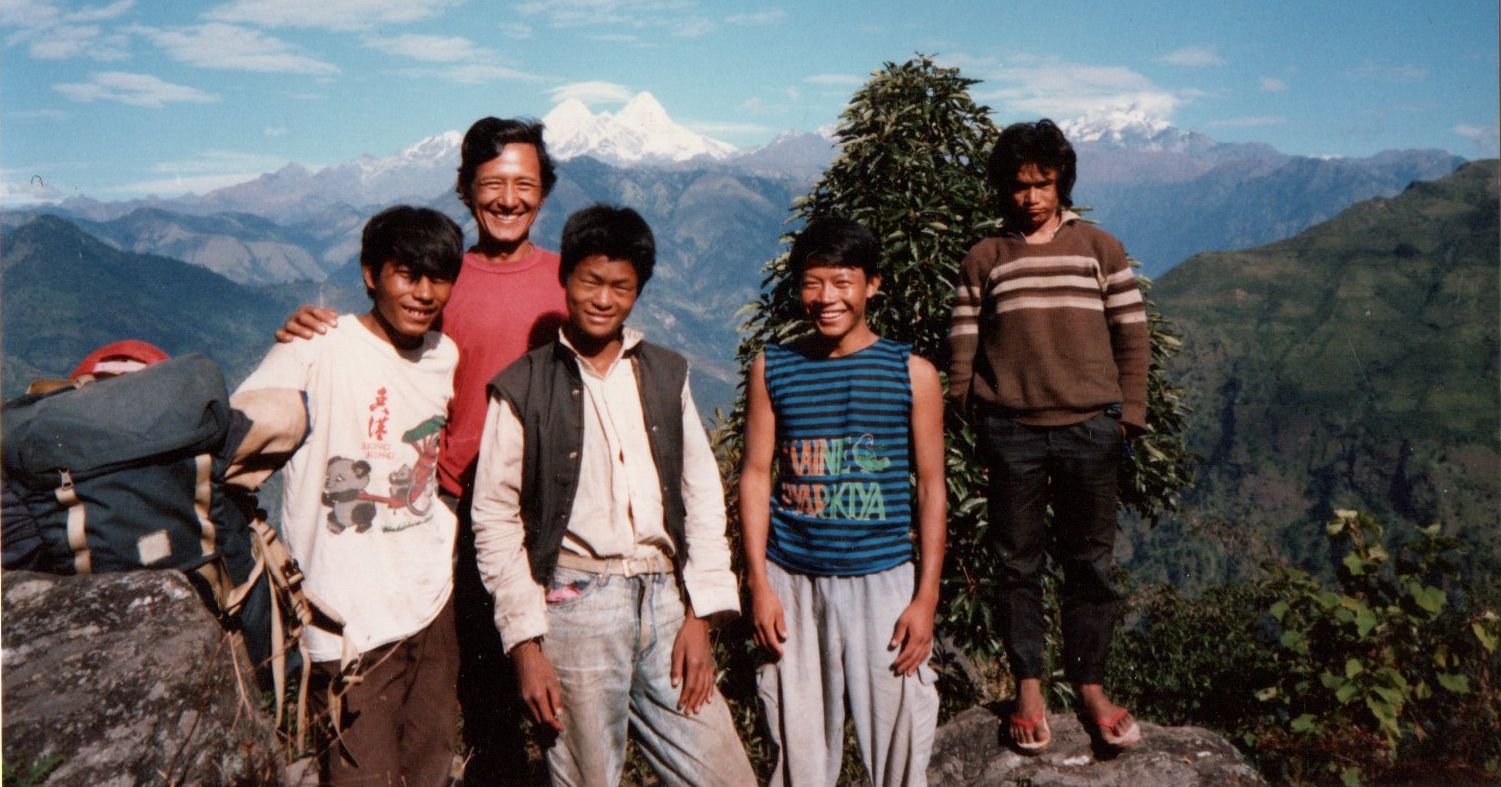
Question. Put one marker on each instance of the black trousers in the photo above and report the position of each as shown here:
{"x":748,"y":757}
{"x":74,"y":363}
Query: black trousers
{"x":1073,"y":469}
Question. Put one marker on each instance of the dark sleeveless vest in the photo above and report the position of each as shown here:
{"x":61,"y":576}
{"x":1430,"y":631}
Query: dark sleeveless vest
{"x":545,"y":391}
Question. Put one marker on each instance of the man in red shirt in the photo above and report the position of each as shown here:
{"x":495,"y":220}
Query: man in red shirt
{"x":507,"y":300}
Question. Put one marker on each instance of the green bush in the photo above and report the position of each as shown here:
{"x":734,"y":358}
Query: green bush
{"x":1386,"y":673}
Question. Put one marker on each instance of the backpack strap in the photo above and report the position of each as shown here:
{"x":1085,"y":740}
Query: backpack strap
{"x":285,"y":581}
{"x":203,"y":499}
{"x":78,"y":539}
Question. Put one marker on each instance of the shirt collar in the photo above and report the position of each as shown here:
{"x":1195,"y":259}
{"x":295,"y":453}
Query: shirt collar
{"x":630,"y":337}
{"x":1069,"y":217}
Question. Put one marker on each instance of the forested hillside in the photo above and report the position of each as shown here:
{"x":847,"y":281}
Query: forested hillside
{"x":1351,"y":366}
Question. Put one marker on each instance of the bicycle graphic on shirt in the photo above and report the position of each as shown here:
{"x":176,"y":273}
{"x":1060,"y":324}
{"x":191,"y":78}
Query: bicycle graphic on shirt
{"x":411,"y":487}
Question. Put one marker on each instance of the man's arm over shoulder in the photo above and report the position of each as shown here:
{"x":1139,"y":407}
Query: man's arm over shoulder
{"x":499,"y":536}
{"x":1125,"y":312}
{"x":285,"y":366}
{"x":965,"y":318}
{"x":710,"y":583}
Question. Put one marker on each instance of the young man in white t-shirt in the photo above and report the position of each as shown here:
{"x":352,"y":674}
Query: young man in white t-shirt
{"x":360,"y":509}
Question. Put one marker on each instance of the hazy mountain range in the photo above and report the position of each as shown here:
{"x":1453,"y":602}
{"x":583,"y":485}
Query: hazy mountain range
{"x":1354,"y":364}
{"x":1168,"y":193}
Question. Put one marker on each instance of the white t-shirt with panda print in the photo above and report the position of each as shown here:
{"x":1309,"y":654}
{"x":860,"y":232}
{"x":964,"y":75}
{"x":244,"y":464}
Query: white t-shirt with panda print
{"x":360,"y":510}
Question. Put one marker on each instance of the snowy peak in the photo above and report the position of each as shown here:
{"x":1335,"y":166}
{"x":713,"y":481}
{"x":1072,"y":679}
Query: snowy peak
{"x":640,"y":133}
{"x":1132,"y":127}
{"x":644,"y":111}
{"x":437,"y":151}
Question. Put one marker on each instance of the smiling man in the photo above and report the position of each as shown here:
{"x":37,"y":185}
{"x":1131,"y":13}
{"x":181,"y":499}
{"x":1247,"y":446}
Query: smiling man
{"x":600,"y":529}
{"x":506,"y":301}
{"x":1049,"y":354}
{"x":370,"y":539}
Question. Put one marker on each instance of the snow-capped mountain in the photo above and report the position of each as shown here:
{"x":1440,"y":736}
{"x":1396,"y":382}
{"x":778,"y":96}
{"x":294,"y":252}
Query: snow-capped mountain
{"x":640,"y":133}
{"x":1131,"y":127}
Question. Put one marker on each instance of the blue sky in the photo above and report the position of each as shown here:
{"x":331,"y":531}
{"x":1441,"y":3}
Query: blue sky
{"x":118,"y":98}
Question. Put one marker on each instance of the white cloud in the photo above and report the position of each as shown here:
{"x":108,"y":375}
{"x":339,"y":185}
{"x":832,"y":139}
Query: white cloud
{"x":713,"y":128}
{"x":429,"y":48}
{"x":833,"y":79}
{"x":473,"y":74}
{"x":680,"y":17}
{"x":178,"y":185}
{"x":329,"y":14}
{"x":1193,"y":57}
{"x":1273,"y":85}
{"x":753,"y":105}
{"x":34,"y":14}
{"x":770,"y":16}
{"x":1484,"y":137}
{"x":65,"y":42}
{"x":101,"y":13}
{"x":591,"y":93}
{"x":1035,"y":86}
{"x":274,"y":131}
{"x":619,"y":38}
{"x":54,"y":34}
{"x":233,"y":48}
{"x":217,"y":162}
{"x":516,"y":30}
{"x":1252,"y":121}
{"x":37,"y":114}
{"x":1390,"y":73}
{"x":141,"y":90}
{"x":18,"y":189}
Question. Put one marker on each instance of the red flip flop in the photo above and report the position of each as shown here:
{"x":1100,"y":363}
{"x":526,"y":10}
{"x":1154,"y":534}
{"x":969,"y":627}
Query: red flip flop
{"x":1106,"y":725}
{"x":1033,"y":725}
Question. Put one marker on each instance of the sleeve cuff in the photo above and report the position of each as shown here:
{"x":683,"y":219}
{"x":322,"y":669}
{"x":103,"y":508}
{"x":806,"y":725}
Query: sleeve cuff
{"x":516,"y":629}
{"x":713,"y":599}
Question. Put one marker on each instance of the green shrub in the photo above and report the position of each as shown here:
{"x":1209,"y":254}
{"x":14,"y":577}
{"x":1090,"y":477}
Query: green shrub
{"x":1388,"y":672}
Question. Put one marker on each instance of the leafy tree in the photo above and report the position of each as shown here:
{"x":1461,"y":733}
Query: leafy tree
{"x":912,"y":169}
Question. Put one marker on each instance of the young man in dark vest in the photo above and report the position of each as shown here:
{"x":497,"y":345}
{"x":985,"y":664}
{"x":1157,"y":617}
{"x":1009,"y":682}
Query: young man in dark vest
{"x":1049,"y":355}
{"x":599,"y":526}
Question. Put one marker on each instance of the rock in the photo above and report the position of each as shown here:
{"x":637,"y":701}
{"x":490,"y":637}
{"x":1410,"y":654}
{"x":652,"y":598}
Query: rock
{"x":970,"y":750}
{"x":124,"y":679}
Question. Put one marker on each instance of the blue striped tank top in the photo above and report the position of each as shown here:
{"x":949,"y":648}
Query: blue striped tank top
{"x":842,"y":501}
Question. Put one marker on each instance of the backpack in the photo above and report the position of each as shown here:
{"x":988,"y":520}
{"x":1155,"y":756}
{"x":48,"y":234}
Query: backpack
{"x":129,"y":472}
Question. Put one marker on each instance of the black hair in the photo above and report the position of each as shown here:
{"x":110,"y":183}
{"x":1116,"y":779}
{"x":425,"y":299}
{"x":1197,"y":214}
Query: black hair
{"x":838,"y":242}
{"x":617,"y":233}
{"x":489,"y":136}
{"x":1041,"y":143}
{"x":422,"y":239}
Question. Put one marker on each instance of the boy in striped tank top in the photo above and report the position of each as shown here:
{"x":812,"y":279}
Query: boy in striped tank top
{"x":846,"y":416}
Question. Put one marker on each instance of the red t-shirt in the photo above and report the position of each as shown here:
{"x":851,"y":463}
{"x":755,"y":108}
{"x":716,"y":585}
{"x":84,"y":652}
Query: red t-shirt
{"x":497,"y":313}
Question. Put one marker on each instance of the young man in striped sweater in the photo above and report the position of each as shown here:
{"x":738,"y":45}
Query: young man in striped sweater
{"x":838,"y":605}
{"x":1049,"y":357}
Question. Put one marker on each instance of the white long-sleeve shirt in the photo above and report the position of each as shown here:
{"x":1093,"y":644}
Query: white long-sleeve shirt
{"x":617,"y":509}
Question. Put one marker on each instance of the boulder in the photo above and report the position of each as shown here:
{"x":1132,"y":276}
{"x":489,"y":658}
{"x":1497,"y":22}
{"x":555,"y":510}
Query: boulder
{"x":124,"y":679}
{"x":971,"y":750}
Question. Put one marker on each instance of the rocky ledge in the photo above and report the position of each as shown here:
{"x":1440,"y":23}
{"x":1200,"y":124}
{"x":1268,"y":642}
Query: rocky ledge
{"x":971,"y":750}
{"x":125,"y":679}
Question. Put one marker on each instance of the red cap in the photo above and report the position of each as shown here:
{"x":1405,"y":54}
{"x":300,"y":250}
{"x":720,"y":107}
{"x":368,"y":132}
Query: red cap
{"x":119,"y":358}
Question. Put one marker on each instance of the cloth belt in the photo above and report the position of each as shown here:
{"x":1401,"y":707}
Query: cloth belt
{"x":616,"y":566}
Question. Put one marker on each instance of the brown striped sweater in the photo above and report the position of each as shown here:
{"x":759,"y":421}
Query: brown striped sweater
{"x":1061,"y":325}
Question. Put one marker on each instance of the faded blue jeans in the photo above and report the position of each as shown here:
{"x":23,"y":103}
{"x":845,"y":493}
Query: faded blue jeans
{"x":612,"y":648}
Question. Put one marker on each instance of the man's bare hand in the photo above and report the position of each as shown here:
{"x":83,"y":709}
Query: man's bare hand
{"x":307,"y":322}
{"x":539,"y":685}
{"x":914,"y":635}
{"x":693,"y":664}
{"x":771,"y":624}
